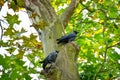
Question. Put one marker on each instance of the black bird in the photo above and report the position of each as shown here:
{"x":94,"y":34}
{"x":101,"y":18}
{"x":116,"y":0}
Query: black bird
{"x":68,"y":38}
{"x":51,"y":58}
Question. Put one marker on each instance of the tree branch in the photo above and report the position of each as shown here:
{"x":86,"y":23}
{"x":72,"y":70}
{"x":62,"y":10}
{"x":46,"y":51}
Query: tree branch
{"x":42,"y":8}
{"x":106,"y":44}
{"x":68,"y":12}
{"x":114,"y":45}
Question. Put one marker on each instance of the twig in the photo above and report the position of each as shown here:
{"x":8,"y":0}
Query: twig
{"x":114,"y":45}
{"x":106,"y":44}
{"x":1,"y":31}
{"x":68,"y":12}
{"x":1,"y":28}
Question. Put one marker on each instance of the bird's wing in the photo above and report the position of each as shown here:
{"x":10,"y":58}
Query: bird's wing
{"x":61,"y":38}
{"x":71,"y":35}
{"x":68,"y":36}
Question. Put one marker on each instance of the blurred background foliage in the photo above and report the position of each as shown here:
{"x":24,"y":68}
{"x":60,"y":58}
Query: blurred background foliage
{"x":98,"y":24}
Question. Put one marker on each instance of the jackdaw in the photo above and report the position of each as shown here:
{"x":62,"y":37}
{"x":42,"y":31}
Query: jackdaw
{"x":51,"y":58}
{"x":68,"y":38}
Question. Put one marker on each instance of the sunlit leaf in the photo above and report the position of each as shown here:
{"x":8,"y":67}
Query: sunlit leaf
{"x":12,"y":19}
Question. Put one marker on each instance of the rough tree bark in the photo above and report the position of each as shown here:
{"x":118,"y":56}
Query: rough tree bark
{"x":50,"y":27}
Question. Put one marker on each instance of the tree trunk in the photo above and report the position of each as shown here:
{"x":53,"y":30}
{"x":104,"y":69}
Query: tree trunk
{"x":50,"y":27}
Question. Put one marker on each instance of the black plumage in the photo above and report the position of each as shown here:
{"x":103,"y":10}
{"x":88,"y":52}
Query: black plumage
{"x":68,"y":38}
{"x":51,"y":58}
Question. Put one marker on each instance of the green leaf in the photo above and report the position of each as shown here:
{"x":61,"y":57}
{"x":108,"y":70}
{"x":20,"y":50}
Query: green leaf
{"x":5,"y":76}
{"x":27,"y":77}
{"x":4,"y":44}
{"x":12,"y":19}
{"x":113,"y":12}
{"x":12,"y":49}
{"x":1,"y":60}
{"x":14,"y":74}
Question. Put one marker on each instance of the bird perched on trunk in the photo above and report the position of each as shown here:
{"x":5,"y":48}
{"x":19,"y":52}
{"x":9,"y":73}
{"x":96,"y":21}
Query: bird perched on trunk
{"x":68,"y":38}
{"x":51,"y":58}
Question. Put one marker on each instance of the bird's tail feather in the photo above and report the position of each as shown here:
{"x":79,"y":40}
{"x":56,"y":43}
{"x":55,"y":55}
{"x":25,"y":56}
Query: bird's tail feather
{"x":57,"y":39}
{"x":58,"y":42}
{"x":41,"y":61}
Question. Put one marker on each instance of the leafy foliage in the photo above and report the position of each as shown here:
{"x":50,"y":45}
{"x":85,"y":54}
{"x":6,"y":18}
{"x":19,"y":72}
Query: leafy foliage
{"x":98,"y":23}
{"x":98,"y":26}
